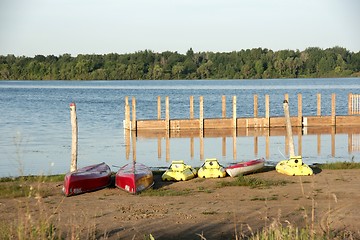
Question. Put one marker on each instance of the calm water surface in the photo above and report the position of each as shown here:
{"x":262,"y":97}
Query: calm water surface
{"x":35,"y":130}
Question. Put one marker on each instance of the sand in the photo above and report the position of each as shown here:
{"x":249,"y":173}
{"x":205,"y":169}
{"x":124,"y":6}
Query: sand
{"x":327,"y":201}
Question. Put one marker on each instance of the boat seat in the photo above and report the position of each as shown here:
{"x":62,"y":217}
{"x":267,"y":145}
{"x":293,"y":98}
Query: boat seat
{"x":295,"y":161}
{"x":211,"y":163}
{"x":178,"y":166}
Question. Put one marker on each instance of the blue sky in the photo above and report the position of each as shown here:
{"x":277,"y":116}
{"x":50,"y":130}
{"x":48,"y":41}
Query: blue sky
{"x":31,"y":27}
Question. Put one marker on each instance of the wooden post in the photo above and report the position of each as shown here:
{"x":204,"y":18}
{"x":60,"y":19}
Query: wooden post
{"x":74,"y":137}
{"x":191,"y":107}
{"x":299,"y":110}
{"x":133,"y":120}
{"x":159,"y":107}
{"x":234,"y":112}
{"x":286,"y":97}
{"x":350,"y":104}
{"x":167,"y":113}
{"x":223,"y":106}
{"x":288,"y":128}
{"x":333,"y":111}
{"x":267,"y":110}
{"x":256,"y":105}
{"x":127,"y":114}
{"x":319,"y":104}
{"x":201,"y":115}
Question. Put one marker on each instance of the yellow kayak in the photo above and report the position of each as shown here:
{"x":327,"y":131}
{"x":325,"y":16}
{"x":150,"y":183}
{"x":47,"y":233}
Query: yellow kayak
{"x":211,"y":169}
{"x":294,"y":167}
{"x":179,"y":171}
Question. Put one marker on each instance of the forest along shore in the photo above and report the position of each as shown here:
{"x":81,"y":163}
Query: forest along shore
{"x":256,"y":63}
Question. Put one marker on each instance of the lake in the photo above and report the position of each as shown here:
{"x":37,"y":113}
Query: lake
{"x":35,"y":129}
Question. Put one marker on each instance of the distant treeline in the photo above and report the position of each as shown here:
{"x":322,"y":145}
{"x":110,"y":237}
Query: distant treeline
{"x":245,"y":64}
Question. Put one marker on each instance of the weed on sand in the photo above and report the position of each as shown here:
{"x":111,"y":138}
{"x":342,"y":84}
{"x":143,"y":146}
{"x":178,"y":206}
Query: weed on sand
{"x":339,"y":165}
{"x":252,"y":182}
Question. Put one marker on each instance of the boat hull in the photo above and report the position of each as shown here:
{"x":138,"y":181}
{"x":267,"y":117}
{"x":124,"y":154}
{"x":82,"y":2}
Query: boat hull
{"x":294,"y":167}
{"x":87,"y":179}
{"x":245,"y":167}
{"x":134,"y":178}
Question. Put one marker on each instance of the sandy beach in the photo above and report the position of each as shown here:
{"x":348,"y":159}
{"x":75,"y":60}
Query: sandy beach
{"x":200,"y":208}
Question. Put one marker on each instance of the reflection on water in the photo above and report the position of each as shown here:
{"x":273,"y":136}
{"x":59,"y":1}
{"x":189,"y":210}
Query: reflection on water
{"x":316,"y":145}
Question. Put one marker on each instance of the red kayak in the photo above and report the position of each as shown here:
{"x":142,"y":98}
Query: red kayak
{"x":134,"y":178}
{"x":87,"y":179}
{"x":242,"y":168}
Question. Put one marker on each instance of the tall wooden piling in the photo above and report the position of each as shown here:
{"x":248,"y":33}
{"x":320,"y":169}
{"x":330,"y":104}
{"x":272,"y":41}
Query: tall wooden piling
{"x":256,"y":106}
{"x":299,"y":110}
{"x":201,"y":114}
{"x":127,"y":113}
{"x":350,"y":101}
{"x":223,"y":106}
{"x":133,"y":120}
{"x":234,"y":112}
{"x":286,"y":97}
{"x":158,"y":107}
{"x":289,"y":129}
{"x":74,"y":137}
{"x":333,"y":109}
{"x":319,"y":104}
{"x":223,"y":115}
{"x":167,"y":113}
{"x":191,"y":107}
{"x":267,"y":110}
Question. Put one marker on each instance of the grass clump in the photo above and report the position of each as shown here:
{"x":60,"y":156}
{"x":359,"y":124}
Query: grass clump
{"x":26,"y":186}
{"x":289,"y":232}
{"x":339,"y":165}
{"x":161,"y":192}
{"x":252,"y":182}
{"x":16,"y":190}
{"x":50,"y":178}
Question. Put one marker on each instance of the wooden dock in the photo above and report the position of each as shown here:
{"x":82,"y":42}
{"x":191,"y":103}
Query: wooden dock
{"x":241,"y":123}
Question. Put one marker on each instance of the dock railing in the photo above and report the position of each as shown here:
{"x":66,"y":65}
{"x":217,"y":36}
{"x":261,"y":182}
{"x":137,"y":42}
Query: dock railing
{"x":234,"y":122}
